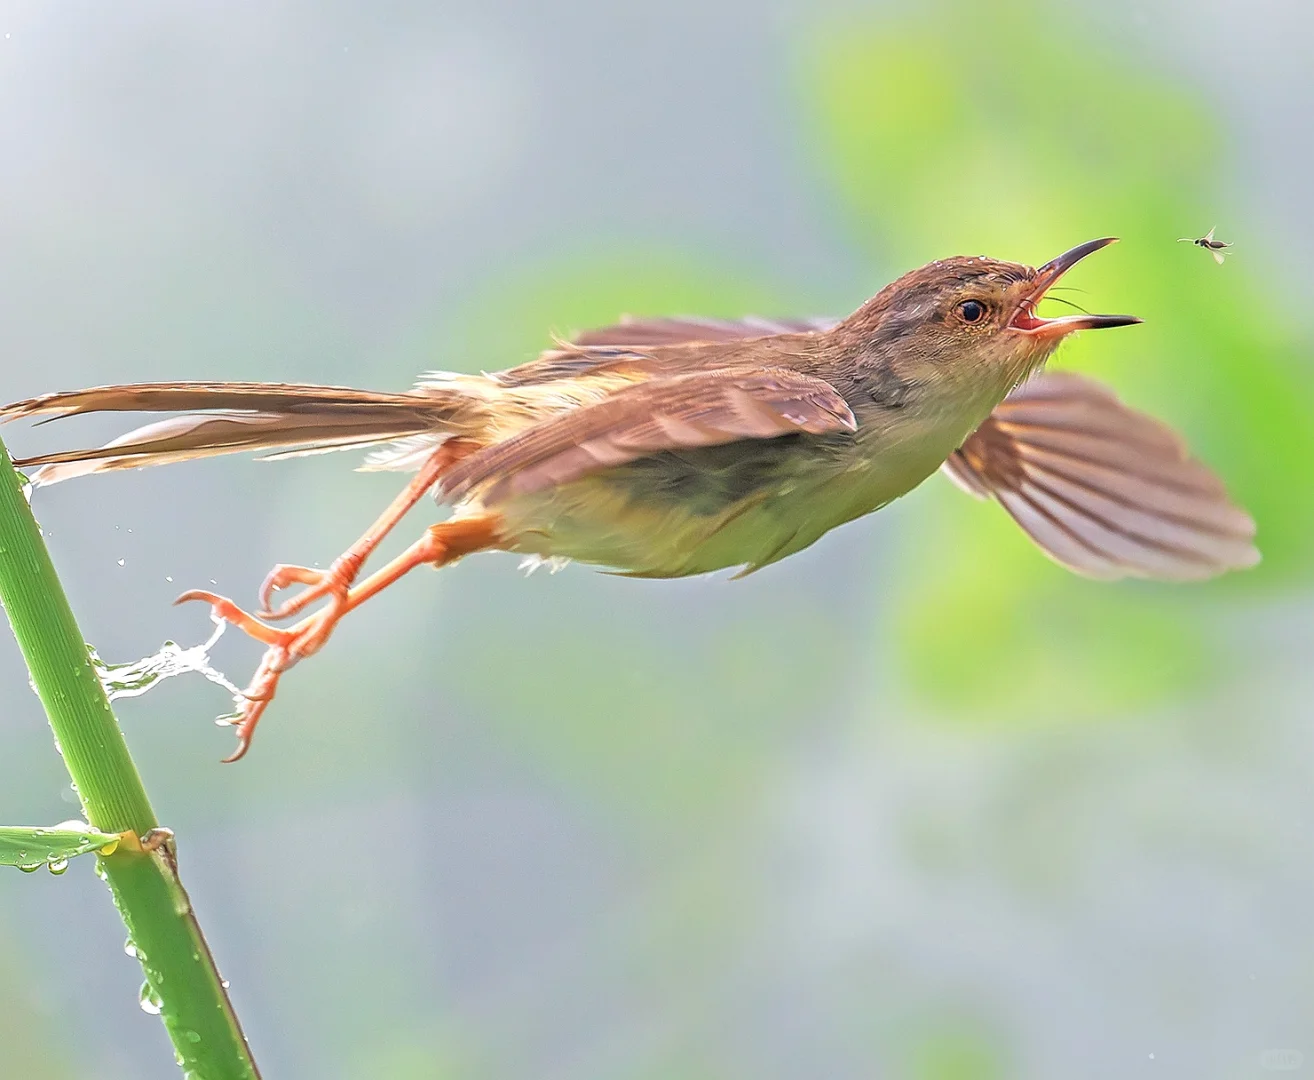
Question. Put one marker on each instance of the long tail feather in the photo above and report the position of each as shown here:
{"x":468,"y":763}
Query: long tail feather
{"x":191,"y":396}
{"x":286,"y":418}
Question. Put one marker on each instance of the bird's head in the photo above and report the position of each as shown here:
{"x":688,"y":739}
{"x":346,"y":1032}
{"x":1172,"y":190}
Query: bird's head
{"x":967,"y":319}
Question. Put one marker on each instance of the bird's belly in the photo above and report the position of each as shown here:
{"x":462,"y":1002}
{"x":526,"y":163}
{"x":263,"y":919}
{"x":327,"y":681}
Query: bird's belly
{"x":746,"y":504}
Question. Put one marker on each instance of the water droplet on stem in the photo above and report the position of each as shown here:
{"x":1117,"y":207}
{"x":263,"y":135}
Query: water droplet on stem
{"x":149,"y":1000}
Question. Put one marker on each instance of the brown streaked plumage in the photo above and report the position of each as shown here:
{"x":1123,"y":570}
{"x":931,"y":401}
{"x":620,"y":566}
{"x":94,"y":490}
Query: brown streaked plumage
{"x":668,"y":447}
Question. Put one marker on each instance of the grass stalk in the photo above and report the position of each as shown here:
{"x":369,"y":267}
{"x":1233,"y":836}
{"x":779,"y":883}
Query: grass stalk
{"x":182,"y":980}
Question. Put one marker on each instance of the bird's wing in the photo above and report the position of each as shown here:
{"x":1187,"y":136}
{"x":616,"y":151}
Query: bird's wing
{"x":1104,"y":490}
{"x":674,"y":331}
{"x":701,"y":408}
{"x":654,"y":347}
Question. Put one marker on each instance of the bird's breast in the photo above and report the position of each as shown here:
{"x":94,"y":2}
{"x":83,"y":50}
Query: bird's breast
{"x":747,"y":503}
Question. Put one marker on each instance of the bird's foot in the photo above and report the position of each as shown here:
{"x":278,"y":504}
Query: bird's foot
{"x":334,"y":582}
{"x":284,"y":648}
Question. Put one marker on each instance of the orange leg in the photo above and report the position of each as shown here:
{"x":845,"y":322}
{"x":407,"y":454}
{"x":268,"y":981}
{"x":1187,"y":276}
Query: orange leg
{"x":337,"y":579}
{"x":440,"y":545}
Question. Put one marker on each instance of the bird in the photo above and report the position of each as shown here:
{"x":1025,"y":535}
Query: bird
{"x":667,"y":447}
{"x":1216,"y":248}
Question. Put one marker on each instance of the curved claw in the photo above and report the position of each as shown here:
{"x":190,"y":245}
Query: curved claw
{"x":258,"y":696}
{"x":244,"y":732}
{"x":280,"y":577}
{"x":334,"y":582}
{"x":199,"y":594}
{"x":281,"y":654}
{"x":223,"y":608}
{"x":285,"y":648}
{"x":440,"y":545}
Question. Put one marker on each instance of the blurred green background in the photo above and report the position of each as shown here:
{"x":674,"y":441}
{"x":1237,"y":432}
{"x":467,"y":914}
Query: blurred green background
{"x":914,"y":803}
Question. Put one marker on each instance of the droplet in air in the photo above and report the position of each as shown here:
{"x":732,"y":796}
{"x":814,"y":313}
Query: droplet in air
{"x":122,"y":561}
{"x":149,"y":1000}
{"x":168,"y":577}
{"x":57,"y":866}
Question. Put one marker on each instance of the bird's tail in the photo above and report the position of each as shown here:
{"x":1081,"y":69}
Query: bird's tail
{"x":288,"y":419}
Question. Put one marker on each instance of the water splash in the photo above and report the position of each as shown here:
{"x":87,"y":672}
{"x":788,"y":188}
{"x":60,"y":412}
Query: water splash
{"x":134,"y":679}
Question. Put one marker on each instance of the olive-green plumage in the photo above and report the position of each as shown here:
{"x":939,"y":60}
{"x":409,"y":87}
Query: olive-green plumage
{"x":669,"y":447}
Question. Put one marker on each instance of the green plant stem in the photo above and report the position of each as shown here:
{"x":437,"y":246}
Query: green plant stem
{"x":180,"y":971}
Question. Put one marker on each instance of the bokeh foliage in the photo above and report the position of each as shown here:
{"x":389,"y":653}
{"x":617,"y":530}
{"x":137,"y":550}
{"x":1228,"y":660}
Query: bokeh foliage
{"x":1003,"y":129}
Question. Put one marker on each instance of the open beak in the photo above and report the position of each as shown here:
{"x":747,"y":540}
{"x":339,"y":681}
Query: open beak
{"x":1026,"y":319}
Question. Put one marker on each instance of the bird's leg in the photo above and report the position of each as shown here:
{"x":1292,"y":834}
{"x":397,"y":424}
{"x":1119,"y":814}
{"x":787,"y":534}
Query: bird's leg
{"x":440,"y":545}
{"x":337,"y":579}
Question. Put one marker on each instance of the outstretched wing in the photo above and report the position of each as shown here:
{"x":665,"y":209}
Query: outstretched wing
{"x":643,"y":348}
{"x":1104,"y":490}
{"x":682,"y":329}
{"x":701,"y":408}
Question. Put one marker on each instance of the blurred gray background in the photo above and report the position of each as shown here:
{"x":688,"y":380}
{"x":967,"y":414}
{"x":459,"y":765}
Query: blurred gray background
{"x":571,"y":826}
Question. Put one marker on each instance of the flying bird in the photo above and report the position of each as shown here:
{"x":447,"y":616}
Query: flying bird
{"x":669,"y":447}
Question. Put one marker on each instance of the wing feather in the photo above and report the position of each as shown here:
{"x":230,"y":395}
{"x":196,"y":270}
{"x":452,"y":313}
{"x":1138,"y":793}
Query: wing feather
{"x":1102,"y":489}
{"x":703,"y":408}
{"x":684,"y":328}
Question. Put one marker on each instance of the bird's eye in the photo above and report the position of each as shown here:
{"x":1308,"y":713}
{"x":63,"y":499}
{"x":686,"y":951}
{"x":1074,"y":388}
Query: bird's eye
{"x":972,"y":310}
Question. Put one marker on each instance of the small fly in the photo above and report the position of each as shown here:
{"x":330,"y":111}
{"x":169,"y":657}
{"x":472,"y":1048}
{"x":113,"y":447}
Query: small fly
{"x":1214,"y":247}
